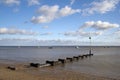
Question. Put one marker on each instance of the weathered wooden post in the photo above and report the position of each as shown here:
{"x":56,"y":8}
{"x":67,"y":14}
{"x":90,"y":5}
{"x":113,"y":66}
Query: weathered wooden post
{"x":76,"y":57}
{"x":62,"y":60}
{"x":90,"y":45}
{"x":50,"y":62}
{"x":70,"y":59}
{"x":34,"y":65}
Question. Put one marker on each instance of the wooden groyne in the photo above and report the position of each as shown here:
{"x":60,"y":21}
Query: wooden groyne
{"x":55,"y":63}
{"x":60,"y":61}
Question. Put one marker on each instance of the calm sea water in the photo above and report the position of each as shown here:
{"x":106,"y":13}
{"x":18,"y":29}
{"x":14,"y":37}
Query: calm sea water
{"x":105,"y":62}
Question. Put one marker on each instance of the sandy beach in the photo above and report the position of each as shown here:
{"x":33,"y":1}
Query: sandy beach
{"x":24,"y":72}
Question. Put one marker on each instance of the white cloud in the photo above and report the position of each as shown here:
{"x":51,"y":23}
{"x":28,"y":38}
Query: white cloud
{"x":47,"y":33}
{"x":57,"y":42}
{"x":18,"y":39}
{"x":117,"y":33}
{"x":41,"y":19}
{"x":36,"y":42}
{"x":49,"y":13}
{"x":99,"y":25}
{"x":102,"y":6}
{"x":10,"y":2}
{"x":67,"y":11}
{"x":83,"y":33}
{"x":16,"y":31}
{"x":33,"y":2}
{"x":53,"y":42}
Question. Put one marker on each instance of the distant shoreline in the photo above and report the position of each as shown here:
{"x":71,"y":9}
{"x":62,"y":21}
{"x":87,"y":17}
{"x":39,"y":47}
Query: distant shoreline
{"x":62,"y":46}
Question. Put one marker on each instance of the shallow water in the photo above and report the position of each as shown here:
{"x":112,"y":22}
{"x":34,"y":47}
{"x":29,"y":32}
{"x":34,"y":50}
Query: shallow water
{"x":105,"y":62}
{"x":39,"y":54}
{"x":102,"y":65}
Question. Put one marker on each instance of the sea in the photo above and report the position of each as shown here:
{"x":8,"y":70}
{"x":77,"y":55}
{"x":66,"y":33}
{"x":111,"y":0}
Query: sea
{"x":105,"y":62}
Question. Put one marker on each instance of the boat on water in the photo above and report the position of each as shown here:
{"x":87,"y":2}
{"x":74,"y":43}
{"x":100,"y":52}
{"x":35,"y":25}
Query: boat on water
{"x":50,"y":47}
{"x":77,"y":47}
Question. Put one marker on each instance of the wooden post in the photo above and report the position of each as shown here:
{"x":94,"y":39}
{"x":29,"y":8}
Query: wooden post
{"x":50,"y":62}
{"x":62,"y":60}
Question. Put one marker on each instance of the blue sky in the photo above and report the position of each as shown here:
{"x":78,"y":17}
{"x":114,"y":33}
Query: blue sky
{"x":59,"y":22}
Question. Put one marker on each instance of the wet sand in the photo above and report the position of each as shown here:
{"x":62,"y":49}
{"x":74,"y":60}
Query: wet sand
{"x":24,"y":72}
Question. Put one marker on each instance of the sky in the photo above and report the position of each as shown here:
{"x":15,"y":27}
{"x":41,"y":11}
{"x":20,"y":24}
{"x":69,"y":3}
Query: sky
{"x":59,"y":22}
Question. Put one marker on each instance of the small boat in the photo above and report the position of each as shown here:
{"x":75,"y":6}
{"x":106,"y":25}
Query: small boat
{"x":50,"y":47}
{"x":77,"y":47}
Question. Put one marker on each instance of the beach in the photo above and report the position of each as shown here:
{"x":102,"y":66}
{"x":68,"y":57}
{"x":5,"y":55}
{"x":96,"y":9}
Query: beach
{"x":48,"y":73}
{"x":103,"y":65}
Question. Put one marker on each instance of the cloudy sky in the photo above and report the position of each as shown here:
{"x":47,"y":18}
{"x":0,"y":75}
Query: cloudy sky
{"x":59,"y":22}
